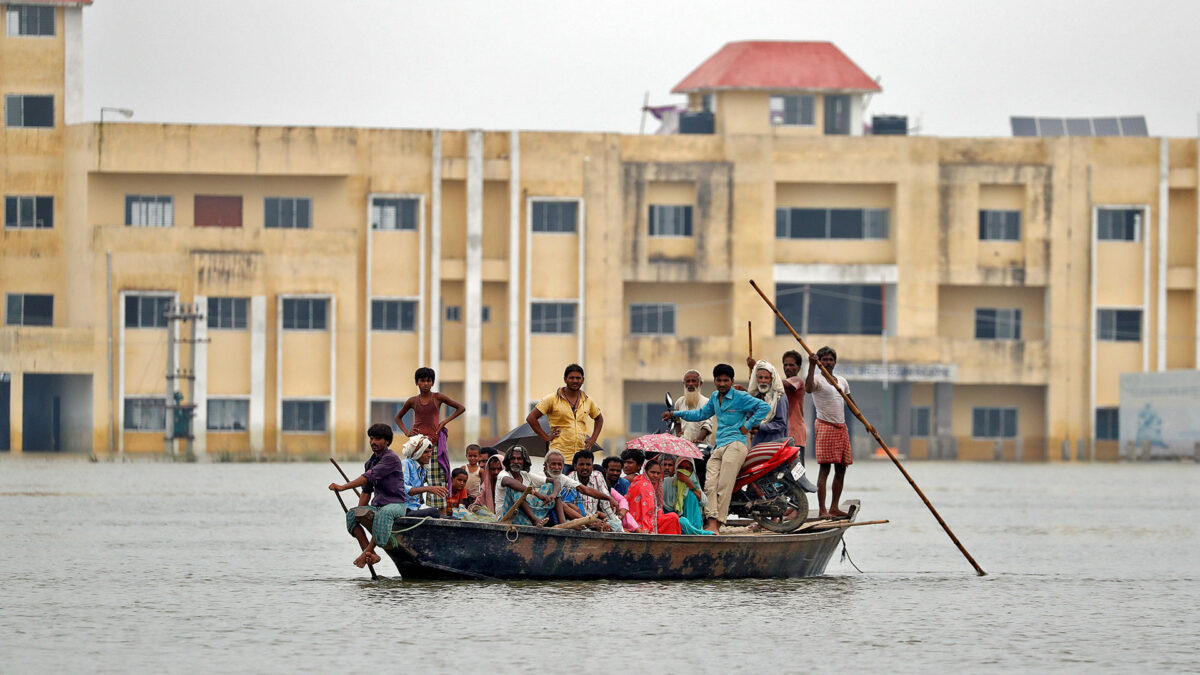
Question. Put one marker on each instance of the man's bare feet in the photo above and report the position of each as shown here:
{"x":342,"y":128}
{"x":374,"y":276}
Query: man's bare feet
{"x":367,"y":558}
{"x":836,"y":513}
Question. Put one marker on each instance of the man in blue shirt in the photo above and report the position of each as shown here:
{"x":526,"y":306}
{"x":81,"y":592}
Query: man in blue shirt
{"x":418,"y":452}
{"x":736,"y":411}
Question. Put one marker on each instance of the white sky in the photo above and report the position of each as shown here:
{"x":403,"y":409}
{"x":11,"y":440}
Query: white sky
{"x":959,"y":66}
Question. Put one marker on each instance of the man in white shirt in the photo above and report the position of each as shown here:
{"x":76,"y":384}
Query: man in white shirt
{"x":692,"y":399}
{"x":833,"y":439}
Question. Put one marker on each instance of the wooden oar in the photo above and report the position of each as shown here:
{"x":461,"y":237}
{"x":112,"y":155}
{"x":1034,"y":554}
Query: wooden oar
{"x":858,"y":413}
{"x":374,"y":576}
{"x":577,"y":523}
{"x":512,"y":511}
{"x":846,"y":523}
{"x":750,"y":345}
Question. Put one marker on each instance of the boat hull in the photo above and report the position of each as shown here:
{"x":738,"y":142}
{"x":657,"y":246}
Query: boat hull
{"x":442,"y":548}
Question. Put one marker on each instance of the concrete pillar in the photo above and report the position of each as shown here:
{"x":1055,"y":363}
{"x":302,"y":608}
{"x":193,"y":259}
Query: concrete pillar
{"x":1127,"y":451}
{"x":1066,"y":450}
{"x":435,"y":256}
{"x":1018,"y":449}
{"x":258,"y":373}
{"x":902,"y":393}
{"x":200,"y":420}
{"x":514,"y":278}
{"x":73,"y":51}
{"x":943,"y":418}
{"x":1082,"y":449}
{"x":473,"y":287}
{"x":16,"y":415}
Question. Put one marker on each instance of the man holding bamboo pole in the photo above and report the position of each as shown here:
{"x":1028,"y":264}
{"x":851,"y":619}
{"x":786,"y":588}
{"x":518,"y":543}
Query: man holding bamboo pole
{"x":833,"y":438}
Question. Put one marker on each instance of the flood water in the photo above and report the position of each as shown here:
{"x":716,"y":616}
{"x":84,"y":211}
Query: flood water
{"x":239,"y":567}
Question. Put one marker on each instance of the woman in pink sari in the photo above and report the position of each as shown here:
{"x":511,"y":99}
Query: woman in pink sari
{"x":484,"y":507}
{"x":646,"y":502}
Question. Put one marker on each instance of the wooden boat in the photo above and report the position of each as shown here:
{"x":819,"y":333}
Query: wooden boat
{"x":443,"y":548}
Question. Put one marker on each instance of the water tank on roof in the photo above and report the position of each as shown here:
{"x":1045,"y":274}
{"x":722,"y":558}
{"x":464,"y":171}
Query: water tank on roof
{"x":889,"y":125}
{"x":696,"y":122}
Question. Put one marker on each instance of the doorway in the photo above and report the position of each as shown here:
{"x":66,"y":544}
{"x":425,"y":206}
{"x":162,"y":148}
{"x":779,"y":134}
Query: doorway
{"x":57,"y":413}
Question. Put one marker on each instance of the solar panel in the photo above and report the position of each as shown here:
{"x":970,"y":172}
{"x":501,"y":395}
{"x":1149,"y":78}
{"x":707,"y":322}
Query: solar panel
{"x":1024,"y":126}
{"x":1132,"y":125}
{"x":1106,"y":126}
{"x":1079,"y":126}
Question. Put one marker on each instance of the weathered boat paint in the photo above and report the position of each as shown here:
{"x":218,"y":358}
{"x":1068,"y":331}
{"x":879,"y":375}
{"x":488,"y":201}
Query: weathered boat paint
{"x":439,"y":548}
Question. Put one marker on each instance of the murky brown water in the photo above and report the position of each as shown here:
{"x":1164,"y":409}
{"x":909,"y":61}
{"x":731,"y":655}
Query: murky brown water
{"x":158,"y":567}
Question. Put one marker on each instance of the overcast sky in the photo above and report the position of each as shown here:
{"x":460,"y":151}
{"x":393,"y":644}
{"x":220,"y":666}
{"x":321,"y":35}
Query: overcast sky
{"x":959,"y":67}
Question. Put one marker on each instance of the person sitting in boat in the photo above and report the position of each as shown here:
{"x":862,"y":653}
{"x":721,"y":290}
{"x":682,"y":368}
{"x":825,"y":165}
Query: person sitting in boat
{"x":631,"y":463}
{"x":483,"y":509}
{"x":685,"y":499}
{"x":418,"y":452}
{"x":474,"y":469}
{"x":768,"y":386}
{"x":585,"y":503}
{"x":667,"y":462}
{"x":612,"y":475}
{"x":611,"y":467}
{"x":382,"y":482}
{"x":645,"y":502}
{"x":458,"y":491}
{"x":564,"y":484}
{"x":511,"y":484}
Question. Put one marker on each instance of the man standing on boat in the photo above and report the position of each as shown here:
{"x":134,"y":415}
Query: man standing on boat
{"x":734,"y":411}
{"x":692,"y":399}
{"x":568,"y":410}
{"x":833,"y":438}
{"x":382,"y":482}
{"x":793,"y":387}
{"x":767,"y":386}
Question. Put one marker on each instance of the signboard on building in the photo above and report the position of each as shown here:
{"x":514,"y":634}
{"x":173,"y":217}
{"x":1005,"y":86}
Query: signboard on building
{"x":1161,"y":409}
{"x":898,"y":372}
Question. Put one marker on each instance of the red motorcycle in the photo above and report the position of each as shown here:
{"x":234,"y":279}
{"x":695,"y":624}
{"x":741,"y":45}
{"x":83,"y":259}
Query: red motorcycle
{"x":771,"y":485}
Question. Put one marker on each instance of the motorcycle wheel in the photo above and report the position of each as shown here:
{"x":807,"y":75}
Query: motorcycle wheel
{"x":795,"y":495}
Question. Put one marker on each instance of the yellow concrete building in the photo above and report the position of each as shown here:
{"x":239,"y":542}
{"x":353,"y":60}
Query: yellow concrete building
{"x":981,"y":292}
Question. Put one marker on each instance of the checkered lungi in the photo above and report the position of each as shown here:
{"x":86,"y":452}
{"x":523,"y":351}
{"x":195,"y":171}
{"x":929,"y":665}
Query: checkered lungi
{"x":381,"y":522}
{"x":435,"y":477}
{"x":833,"y":444}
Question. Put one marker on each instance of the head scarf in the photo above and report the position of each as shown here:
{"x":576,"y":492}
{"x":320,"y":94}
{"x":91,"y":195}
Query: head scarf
{"x":693,"y":370}
{"x":487,"y":489}
{"x":415,"y":447}
{"x":774,"y":390}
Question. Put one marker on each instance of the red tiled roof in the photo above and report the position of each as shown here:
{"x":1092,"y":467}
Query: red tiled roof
{"x":778,"y":66}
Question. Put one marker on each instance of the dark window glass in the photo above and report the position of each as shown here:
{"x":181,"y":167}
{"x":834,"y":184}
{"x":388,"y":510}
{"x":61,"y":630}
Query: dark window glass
{"x":994,"y":422}
{"x":149,"y":211}
{"x":228,"y":414}
{"x":30,"y":212}
{"x":304,"y":313}
{"x":1108,"y":424}
{"x":394,"y":315}
{"x":921,"y":416}
{"x":228,"y":313}
{"x":293,"y":213}
{"x":810,"y":223}
{"x":806,"y":223}
{"x":998,"y":324}
{"x":670,"y":221}
{"x":26,"y":309}
{"x":1120,"y":325}
{"x":552,"y":317}
{"x":834,"y":309}
{"x":652,"y":319}
{"x":28,"y":111}
{"x":305,"y":416}
{"x":999,"y":225}
{"x":837,"y":115}
{"x":1118,"y":224}
{"x":146,"y":311}
{"x":145,"y":414}
{"x":798,"y":110}
{"x":555,"y":216}
{"x":645,"y":418}
{"x":29,"y":20}
{"x":394,"y":213}
{"x":845,"y":223}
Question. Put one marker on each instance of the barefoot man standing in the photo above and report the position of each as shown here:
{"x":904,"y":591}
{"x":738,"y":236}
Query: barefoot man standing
{"x":833,"y":439}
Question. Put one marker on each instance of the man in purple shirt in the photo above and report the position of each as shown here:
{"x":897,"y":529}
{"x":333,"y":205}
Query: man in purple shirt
{"x":383,"y":484}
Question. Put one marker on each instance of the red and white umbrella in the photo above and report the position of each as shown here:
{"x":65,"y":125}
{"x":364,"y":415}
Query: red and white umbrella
{"x":667,"y":444}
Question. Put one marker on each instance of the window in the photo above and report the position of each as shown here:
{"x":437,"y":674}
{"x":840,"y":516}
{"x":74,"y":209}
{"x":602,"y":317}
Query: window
{"x":289,"y":213}
{"x":1119,"y":325}
{"x":145,"y":414}
{"x":997,"y":324}
{"x":485,"y":314}
{"x":453,"y":313}
{"x":837,"y":115}
{"x":805,"y":223}
{"x":23,"y":309}
{"x":29,"y":212}
{"x":218,"y":211}
{"x":394,"y":213}
{"x":994,"y":422}
{"x":793,"y":110}
{"x":555,"y":216}
{"x":999,"y":225}
{"x":146,"y":311}
{"x":1108,"y":424}
{"x":833,"y":309}
{"x":485,"y":408}
{"x":670,"y":221}
{"x":1118,"y":224}
{"x":921,"y":421}
{"x":394,"y":315}
{"x":553,"y":317}
{"x":305,"y":415}
{"x":28,"y":20}
{"x":652,"y":318}
{"x":228,"y":313}
{"x":228,"y":414}
{"x":22,"y":110}
{"x":304,"y":313}
{"x":384,"y":412}
{"x":645,"y":418}
{"x":149,"y":211}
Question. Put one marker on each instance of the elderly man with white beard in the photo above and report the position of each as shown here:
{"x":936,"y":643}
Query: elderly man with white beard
{"x":768,"y":387}
{"x":692,"y":399}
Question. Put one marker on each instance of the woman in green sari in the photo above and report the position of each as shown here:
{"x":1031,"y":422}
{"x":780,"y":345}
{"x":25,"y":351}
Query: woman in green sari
{"x":686,"y":498}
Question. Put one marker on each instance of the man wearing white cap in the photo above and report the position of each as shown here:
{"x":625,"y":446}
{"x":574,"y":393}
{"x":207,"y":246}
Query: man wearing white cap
{"x":692,"y":399}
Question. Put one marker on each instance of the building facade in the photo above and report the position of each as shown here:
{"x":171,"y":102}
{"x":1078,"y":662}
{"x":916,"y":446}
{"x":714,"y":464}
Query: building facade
{"x":982,"y":293}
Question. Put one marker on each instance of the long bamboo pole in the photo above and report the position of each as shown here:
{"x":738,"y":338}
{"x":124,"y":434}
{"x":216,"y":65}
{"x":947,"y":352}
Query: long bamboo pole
{"x":858,"y":413}
{"x":374,"y":575}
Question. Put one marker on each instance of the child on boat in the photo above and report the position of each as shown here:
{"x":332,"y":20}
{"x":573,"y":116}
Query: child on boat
{"x":427,"y":422}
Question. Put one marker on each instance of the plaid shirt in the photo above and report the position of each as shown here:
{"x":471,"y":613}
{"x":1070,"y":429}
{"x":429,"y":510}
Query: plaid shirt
{"x":589,"y":504}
